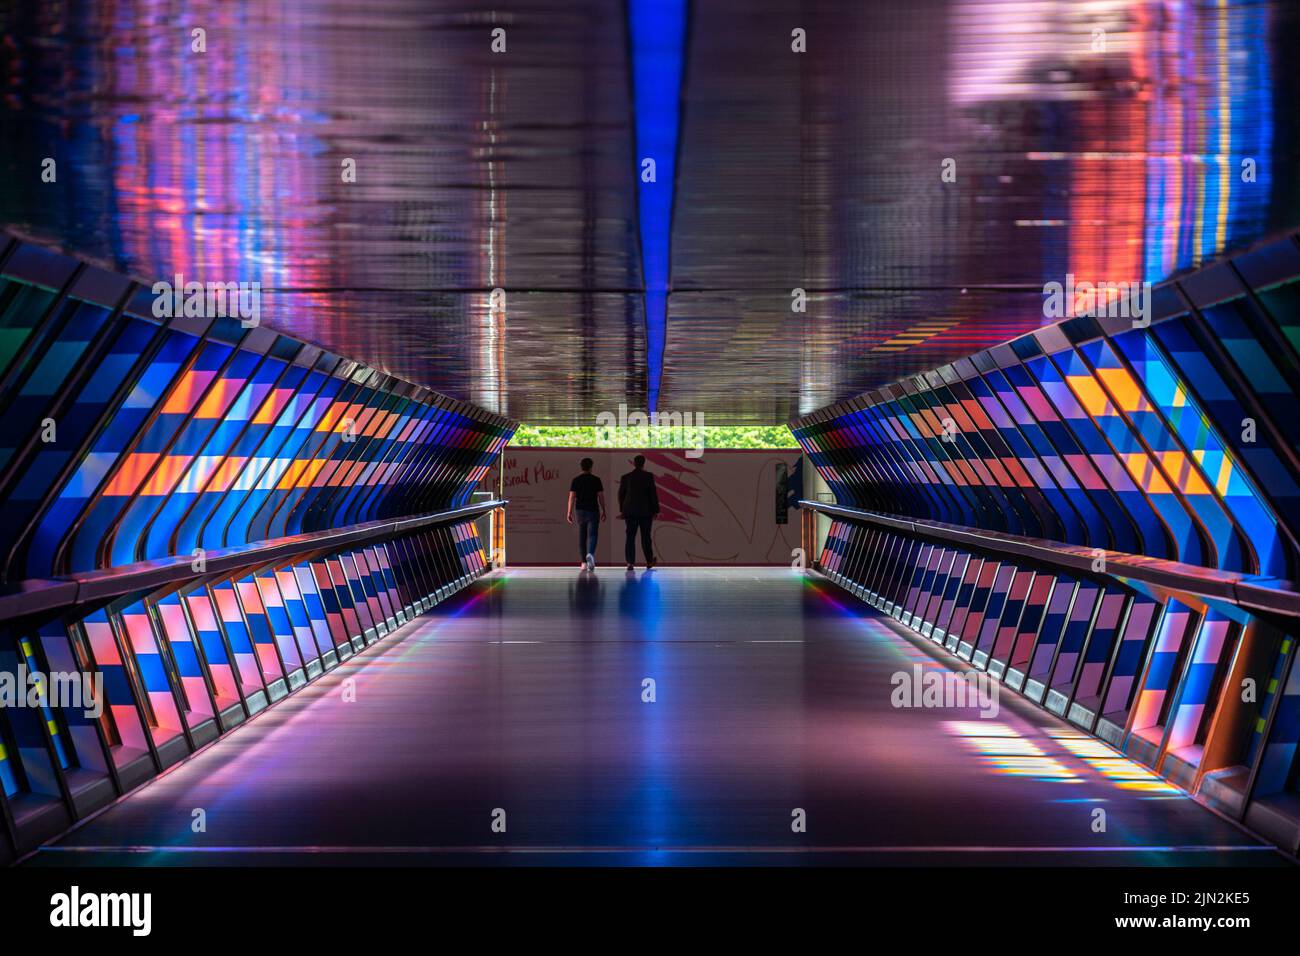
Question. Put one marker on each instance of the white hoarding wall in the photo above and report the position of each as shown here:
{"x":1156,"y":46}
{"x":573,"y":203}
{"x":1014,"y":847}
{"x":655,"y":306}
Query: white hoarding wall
{"x":720,"y":508}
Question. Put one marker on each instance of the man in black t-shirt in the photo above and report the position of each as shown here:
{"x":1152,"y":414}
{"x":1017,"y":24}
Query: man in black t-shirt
{"x":587,"y":500}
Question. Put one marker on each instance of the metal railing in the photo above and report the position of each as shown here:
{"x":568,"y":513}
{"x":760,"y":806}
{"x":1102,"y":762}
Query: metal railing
{"x":43,"y":594}
{"x":1252,"y":591}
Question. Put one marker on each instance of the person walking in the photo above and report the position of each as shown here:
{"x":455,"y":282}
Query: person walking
{"x":638,"y":503}
{"x":587,"y":502}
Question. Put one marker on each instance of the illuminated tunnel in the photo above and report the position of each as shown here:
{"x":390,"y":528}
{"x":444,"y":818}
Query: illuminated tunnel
{"x":310,"y":311}
{"x":205,"y":515}
{"x":1099,"y":514}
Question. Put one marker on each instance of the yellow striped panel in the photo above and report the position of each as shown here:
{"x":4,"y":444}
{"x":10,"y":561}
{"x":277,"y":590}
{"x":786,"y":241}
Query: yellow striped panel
{"x":1225,"y":476}
{"x":291,"y":474}
{"x":1090,"y":396}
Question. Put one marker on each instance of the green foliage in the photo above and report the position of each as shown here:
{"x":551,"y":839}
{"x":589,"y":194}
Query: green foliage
{"x":720,"y":436}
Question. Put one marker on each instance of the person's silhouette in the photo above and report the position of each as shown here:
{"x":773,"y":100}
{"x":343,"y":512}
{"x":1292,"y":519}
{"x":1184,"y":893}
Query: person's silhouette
{"x":587,"y":501}
{"x":638,"y":503}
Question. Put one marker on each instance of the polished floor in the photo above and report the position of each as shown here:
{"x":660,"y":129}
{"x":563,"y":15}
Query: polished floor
{"x":772,"y":695}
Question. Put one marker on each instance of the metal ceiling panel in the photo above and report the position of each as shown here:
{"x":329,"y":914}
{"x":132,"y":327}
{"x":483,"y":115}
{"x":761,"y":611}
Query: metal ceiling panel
{"x":1108,"y":139}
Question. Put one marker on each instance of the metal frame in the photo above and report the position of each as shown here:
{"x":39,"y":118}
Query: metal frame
{"x":1197,"y":588}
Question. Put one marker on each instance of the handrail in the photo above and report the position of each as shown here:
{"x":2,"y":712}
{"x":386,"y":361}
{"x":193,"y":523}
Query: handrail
{"x":1255,"y":591}
{"x":43,"y":594}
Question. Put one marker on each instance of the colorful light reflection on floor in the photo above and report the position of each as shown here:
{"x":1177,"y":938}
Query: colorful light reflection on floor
{"x":1009,"y":752}
{"x":523,"y":693}
{"x":1053,"y":754}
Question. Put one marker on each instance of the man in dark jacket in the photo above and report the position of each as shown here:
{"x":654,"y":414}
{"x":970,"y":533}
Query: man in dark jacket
{"x":638,"y":503}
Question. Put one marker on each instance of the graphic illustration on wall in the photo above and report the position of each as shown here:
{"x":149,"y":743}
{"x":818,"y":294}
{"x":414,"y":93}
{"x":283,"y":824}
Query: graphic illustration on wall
{"x":716,"y":508}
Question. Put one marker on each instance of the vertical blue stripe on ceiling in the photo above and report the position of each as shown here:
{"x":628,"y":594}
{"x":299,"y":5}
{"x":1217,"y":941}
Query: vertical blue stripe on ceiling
{"x":658,"y":39}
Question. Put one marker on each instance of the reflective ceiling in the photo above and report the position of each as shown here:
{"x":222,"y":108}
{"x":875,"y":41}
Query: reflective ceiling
{"x":1109,"y":139}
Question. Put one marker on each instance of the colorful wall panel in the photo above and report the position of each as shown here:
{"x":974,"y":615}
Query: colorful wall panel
{"x":1131,"y":440}
{"x":135,"y":442}
{"x":1175,"y":437}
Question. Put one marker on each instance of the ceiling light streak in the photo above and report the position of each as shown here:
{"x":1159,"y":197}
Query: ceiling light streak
{"x":658,"y":39}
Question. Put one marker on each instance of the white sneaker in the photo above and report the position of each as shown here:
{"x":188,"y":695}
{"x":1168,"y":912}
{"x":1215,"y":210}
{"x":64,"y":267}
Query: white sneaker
{"x":591,"y":562}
